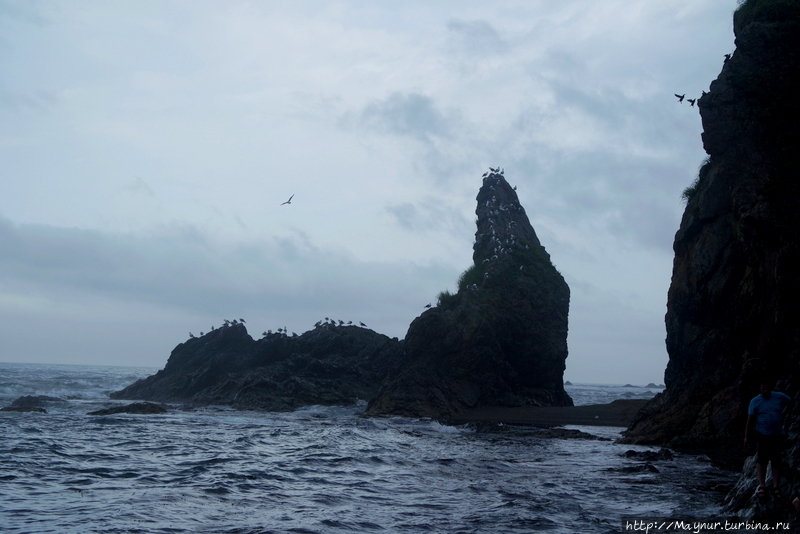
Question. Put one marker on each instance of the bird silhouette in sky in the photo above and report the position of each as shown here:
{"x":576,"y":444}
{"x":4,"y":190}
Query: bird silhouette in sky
{"x":288,"y":201}
{"x":680,"y":97}
{"x":691,"y":101}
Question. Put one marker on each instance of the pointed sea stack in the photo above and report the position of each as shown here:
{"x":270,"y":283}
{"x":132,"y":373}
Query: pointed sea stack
{"x":501,"y":339}
{"x":734,"y":299}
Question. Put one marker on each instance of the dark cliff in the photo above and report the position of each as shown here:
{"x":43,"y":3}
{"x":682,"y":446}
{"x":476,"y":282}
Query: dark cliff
{"x":501,"y":340}
{"x":734,"y":301}
{"x":329,"y":365}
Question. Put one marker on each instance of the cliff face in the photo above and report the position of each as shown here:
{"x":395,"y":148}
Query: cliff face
{"x":501,"y":340}
{"x":329,"y":365}
{"x":734,"y":301}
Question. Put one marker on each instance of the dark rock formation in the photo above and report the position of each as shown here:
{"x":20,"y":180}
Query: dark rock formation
{"x":141,"y":408}
{"x":330,"y":365}
{"x":31,"y":403}
{"x":735,"y":295}
{"x":734,"y":301}
{"x":501,"y":340}
{"x":37,"y":401}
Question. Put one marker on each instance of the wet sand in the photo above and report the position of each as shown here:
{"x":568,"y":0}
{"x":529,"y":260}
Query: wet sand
{"x":617,"y":413}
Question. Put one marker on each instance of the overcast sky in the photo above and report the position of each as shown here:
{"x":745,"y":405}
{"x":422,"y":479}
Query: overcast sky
{"x":146,"y":147}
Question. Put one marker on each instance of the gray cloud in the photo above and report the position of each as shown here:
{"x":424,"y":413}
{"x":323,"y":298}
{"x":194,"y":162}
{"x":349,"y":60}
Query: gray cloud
{"x":28,"y":11}
{"x":475,"y":37}
{"x":182,"y":269}
{"x":431,"y":215}
{"x":139,"y":186}
{"x":440,"y":138}
{"x":406,"y":114}
{"x":37,"y":100}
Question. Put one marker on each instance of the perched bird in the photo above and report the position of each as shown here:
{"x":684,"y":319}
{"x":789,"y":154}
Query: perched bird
{"x":362,"y":324}
{"x":288,"y":201}
{"x":241,"y":321}
{"x":515,"y":188}
{"x":727,"y":57}
{"x":680,"y":97}
{"x":428,"y":305}
{"x":691,"y":101}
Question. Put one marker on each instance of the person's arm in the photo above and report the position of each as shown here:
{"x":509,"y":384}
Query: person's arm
{"x":748,"y":429}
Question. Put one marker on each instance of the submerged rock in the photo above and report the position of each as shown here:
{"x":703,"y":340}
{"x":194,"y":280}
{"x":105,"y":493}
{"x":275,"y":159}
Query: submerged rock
{"x":501,"y":339}
{"x":142,"y":408}
{"x":31,"y":403}
{"x":37,"y":401}
{"x":650,"y":456}
{"x":36,"y":409}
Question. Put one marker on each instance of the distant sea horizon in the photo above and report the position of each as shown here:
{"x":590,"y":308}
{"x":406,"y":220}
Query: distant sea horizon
{"x":158,"y":368}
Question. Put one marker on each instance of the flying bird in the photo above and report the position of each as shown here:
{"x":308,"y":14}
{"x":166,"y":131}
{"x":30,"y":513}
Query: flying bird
{"x":288,"y":201}
{"x":680,"y":97}
{"x":691,"y":101}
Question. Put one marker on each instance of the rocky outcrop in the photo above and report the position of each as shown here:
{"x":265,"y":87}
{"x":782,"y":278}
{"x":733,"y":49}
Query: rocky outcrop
{"x":501,"y":339}
{"x":734,"y":299}
{"x":31,"y":403}
{"x":329,"y":365}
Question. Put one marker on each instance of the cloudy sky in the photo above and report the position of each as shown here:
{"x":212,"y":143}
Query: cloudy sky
{"x":146,"y":147}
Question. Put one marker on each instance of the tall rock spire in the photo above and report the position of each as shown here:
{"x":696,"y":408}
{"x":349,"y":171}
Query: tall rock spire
{"x":501,"y":339}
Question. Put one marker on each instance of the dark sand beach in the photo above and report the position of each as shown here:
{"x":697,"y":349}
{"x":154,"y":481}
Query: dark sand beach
{"x":617,"y":413}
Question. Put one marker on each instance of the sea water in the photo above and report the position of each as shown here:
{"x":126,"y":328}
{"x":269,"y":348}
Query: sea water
{"x":317,"y":469}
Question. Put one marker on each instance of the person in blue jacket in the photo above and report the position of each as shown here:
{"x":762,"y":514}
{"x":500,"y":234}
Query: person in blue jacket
{"x":765,"y":416}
